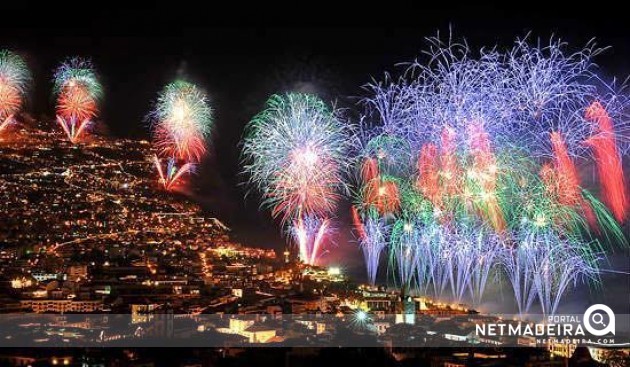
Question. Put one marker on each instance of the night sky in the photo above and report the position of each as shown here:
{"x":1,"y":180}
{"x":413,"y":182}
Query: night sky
{"x":240,"y":59}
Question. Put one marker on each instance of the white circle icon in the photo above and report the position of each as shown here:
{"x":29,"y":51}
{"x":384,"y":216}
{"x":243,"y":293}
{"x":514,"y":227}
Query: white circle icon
{"x":594,"y":320}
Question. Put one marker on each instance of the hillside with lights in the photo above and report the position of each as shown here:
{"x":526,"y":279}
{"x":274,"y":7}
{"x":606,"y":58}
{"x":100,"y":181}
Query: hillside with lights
{"x":98,"y":200}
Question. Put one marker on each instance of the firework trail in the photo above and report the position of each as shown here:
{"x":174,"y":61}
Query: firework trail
{"x":357,"y":222}
{"x":432,"y":268}
{"x":556,"y":264}
{"x":78,"y":92}
{"x":562,"y":181}
{"x":406,"y":239}
{"x":182,"y":120}
{"x":485,"y":254}
{"x":567,"y":177}
{"x":608,"y":161}
{"x":14,"y":79}
{"x":449,"y":166}
{"x":295,"y":152}
{"x":429,"y":175}
{"x":483,"y":173}
{"x":369,"y":169}
{"x":373,"y":237}
{"x":171,"y":175}
{"x":432,"y":271}
{"x":518,"y":267}
{"x":5,"y":123}
{"x":458,"y":263}
{"x":310,"y":233}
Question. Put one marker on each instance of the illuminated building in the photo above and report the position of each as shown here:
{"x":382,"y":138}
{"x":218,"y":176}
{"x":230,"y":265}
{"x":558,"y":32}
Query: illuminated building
{"x":255,"y":333}
{"x":19,"y":283}
{"x":61,"y":305}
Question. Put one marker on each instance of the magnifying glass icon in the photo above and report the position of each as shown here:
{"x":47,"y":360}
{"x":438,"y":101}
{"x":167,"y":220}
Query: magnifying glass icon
{"x":598,"y":319}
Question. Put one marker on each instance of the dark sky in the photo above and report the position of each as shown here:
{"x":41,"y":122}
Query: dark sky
{"x":242,"y":56}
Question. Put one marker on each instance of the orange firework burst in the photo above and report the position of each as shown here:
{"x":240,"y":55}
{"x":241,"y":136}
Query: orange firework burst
{"x":78,"y":91}
{"x":75,"y":102}
{"x":10,"y":99}
{"x":383,"y":195}
{"x":14,"y":77}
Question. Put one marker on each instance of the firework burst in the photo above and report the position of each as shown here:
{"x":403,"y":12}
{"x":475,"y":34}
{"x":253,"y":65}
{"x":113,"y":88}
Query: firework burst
{"x":171,"y":175}
{"x":14,"y":78}
{"x":471,"y":160}
{"x":182,"y":120}
{"x":295,"y":152}
{"x":78,"y":93}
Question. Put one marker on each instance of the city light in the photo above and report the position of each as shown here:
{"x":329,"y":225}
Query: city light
{"x":334,"y":271}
